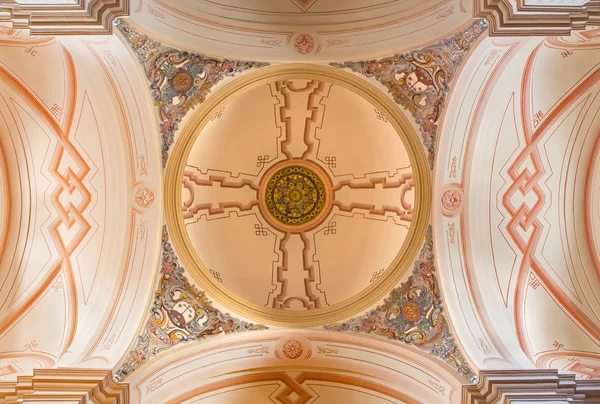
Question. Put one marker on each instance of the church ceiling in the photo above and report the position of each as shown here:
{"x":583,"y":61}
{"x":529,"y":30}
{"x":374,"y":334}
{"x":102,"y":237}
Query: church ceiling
{"x":180,"y":312}
{"x":286,"y":183}
{"x":287,"y":366}
{"x":290,"y":199}
{"x":80,"y":206}
{"x":182,"y":203}
{"x":180,"y":80}
{"x":219,"y":196}
{"x":419,"y":80}
{"x":414,"y":314}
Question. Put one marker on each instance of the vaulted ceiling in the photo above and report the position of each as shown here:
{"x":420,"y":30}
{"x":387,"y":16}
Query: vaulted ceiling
{"x":520,"y":253}
{"x":300,"y":30}
{"x":81,"y":216}
{"x":298,"y":201}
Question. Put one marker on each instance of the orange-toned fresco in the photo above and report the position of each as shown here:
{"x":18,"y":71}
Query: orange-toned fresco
{"x":527,"y":229}
{"x":61,"y":142}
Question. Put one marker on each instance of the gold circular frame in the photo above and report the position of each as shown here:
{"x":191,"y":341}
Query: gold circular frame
{"x":314,"y":222}
{"x":336,"y":312}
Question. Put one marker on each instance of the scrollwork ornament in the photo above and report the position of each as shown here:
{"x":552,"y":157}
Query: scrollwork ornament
{"x":413,"y":314}
{"x":419,"y":80}
{"x":181,"y":312}
{"x":179,"y":80}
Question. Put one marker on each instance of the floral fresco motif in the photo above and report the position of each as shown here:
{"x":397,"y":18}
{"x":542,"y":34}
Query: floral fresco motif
{"x":144,"y":197}
{"x":180,"y":313}
{"x":413,"y":313}
{"x":419,"y":80}
{"x":179,"y":80}
{"x":304,"y":44}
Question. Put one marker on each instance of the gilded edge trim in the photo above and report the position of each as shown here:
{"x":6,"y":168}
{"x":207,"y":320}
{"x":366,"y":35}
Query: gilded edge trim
{"x":339,"y":311}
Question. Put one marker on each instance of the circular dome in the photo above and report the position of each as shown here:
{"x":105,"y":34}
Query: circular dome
{"x":290,"y":182}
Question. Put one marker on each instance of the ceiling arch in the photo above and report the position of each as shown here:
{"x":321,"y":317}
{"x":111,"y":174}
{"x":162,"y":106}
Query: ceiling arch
{"x":300,"y":30}
{"x":83,"y":190}
{"x":515,"y":181}
{"x":276,"y":366}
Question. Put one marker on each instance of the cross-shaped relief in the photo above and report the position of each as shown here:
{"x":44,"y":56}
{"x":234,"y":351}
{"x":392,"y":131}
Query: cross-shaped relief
{"x":310,"y":180}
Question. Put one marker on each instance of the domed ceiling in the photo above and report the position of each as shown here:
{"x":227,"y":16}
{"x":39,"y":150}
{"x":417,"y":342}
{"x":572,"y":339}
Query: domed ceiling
{"x":296,"y":187}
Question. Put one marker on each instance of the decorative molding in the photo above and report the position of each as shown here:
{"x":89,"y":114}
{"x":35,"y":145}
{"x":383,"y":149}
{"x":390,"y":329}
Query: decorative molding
{"x":537,"y":385}
{"x":292,"y":349}
{"x":452,"y":200}
{"x":65,"y":385}
{"x":413,"y":313}
{"x":175,"y":74}
{"x":537,"y":17}
{"x":419,"y":80}
{"x":81,"y":17}
{"x":180,"y":313}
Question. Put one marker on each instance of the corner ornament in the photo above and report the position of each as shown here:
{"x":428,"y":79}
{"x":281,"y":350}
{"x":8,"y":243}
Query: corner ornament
{"x":420,"y":79}
{"x":179,"y":80}
{"x":180,"y":313}
{"x":413,"y":314}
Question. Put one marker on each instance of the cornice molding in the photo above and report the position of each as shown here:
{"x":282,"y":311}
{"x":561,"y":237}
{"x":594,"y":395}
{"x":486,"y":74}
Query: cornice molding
{"x":84,"y":17}
{"x":536,"y":386}
{"x":65,"y":385}
{"x":517,"y":18}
